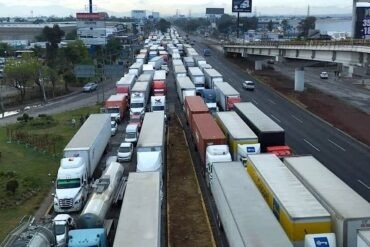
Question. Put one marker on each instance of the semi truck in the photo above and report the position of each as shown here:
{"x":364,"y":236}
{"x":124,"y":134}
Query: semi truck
{"x":241,"y":210}
{"x":140,"y":58}
{"x":159,"y":83}
{"x":236,"y":131}
{"x":92,"y":227}
{"x":81,"y":157}
{"x":227,"y":96}
{"x":294,"y":206}
{"x":125,"y":84}
{"x":145,"y":77}
{"x":204,"y":66}
{"x":197,"y":77}
{"x":157,"y":62}
{"x":198,"y":59}
{"x":177,"y":62}
{"x":151,"y":145}
{"x":139,"y":222}
{"x":268,"y":131}
{"x":206,"y":133}
{"x":184,"y":87}
{"x":139,"y":98}
{"x":179,"y":70}
{"x":212,"y":76}
{"x":194,"y":105}
{"x":148,"y":69}
{"x":210,"y":98}
{"x":363,"y":238}
{"x":135,"y":69}
{"x":158,"y":103}
{"x":350,"y":212}
{"x":188,"y":62}
{"x":116,"y":106}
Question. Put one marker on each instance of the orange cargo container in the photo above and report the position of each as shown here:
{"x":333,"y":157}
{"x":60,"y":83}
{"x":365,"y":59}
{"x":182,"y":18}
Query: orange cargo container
{"x":194,"y":105}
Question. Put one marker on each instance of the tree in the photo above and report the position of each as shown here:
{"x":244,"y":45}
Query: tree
{"x":270,"y":25}
{"x":53,"y":36}
{"x":113,"y":48}
{"x":305,"y":25}
{"x":163,"y":25}
{"x":5,"y":49}
{"x":249,"y":23}
{"x":285,"y":25}
{"x":71,"y":35}
{"x":12,"y":186}
{"x":225,"y":23}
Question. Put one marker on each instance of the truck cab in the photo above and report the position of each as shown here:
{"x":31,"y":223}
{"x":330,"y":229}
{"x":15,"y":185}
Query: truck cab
{"x":71,"y":185}
{"x":215,"y":153}
{"x":158,"y":103}
{"x":246,"y":149}
{"x":137,"y":103}
{"x":210,"y":98}
{"x":132,"y":133}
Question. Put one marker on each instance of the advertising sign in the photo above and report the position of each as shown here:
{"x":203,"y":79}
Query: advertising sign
{"x":362,"y":29}
{"x":241,"y":6}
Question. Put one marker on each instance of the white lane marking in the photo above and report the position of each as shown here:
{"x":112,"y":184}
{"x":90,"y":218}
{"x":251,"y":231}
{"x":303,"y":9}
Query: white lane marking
{"x":272,"y":102}
{"x":299,"y":120}
{"x":365,"y":185}
{"x":341,"y":148}
{"x":309,"y":143}
{"x":275,"y":118}
{"x":254,"y":101}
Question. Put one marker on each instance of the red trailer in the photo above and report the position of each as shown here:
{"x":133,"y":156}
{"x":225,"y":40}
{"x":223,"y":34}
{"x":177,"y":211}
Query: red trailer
{"x":159,"y":83}
{"x":194,"y":105}
{"x":206,"y":132}
{"x":116,"y":105}
{"x":125,"y":84}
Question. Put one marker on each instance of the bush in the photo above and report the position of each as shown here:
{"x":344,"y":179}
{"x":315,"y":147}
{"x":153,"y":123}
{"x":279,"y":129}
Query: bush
{"x":12,"y":186}
{"x":10,"y":174}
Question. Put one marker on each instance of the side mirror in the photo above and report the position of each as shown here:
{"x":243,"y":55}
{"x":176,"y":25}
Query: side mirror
{"x":53,"y":194}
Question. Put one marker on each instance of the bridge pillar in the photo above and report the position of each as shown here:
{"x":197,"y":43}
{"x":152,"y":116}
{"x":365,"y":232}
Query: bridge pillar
{"x":348,"y":69}
{"x":258,"y":65}
{"x":299,"y":79}
{"x":280,"y":59}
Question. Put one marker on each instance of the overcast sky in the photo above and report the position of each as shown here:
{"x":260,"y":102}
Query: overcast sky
{"x":168,"y":7}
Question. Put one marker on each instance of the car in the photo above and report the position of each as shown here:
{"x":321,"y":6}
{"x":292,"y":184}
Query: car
{"x":324,"y":75}
{"x":132,"y":133}
{"x":89,"y":87}
{"x":113,"y":128}
{"x":124,"y":152}
{"x":248,"y":85}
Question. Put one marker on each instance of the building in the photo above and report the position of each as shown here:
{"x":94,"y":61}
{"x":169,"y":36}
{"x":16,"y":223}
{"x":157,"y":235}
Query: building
{"x":91,"y":28}
{"x":138,"y":14}
{"x":214,"y":13}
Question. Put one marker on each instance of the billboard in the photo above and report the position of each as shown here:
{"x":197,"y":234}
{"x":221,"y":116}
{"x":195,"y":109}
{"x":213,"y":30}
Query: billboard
{"x":215,"y":11}
{"x":362,"y":28}
{"x":90,"y":16}
{"x":242,"y":6}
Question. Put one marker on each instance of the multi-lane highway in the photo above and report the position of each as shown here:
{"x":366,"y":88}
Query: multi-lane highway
{"x":305,"y":133}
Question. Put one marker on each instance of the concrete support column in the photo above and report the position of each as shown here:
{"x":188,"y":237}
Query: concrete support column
{"x":348,"y":70}
{"x":280,"y":59}
{"x":299,"y":79}
{"x":258,"y":65}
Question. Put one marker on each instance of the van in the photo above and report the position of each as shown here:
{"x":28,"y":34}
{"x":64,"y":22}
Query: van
{"x":132,"y":133}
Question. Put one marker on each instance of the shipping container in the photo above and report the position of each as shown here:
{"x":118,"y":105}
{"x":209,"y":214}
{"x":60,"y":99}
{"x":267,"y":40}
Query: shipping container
{"x":188,"y":62}
{"x":179,"y":70}
{"x":197,"y":77}
{"x":206,"y":132}
{"x":269,"y":132}
{"x":349,"y":211}
{"x":242,"y":212}
{"x":236,"y":131}
{"x":297,"y":210}
{"x":194,"y":105}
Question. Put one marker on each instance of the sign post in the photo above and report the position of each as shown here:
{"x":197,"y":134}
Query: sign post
{"x":238,"y":6}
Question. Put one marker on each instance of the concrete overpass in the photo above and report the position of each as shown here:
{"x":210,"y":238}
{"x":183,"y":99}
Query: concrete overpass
{"x":348,"y":53}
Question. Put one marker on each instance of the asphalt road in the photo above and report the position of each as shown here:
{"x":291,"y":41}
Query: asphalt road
{"x":305,"y":133}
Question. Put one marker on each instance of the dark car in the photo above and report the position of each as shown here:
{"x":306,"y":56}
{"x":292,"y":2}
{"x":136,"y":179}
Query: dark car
{"x":89,"y":87}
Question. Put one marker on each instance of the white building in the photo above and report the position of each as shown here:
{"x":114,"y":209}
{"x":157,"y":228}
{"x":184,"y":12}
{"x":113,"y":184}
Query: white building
{"x":138,"y":14}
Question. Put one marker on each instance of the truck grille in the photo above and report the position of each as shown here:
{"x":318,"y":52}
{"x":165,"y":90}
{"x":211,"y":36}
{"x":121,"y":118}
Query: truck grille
{"x":66,"y":203}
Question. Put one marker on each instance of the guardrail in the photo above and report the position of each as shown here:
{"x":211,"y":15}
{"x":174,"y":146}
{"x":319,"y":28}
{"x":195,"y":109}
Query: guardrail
{"x":13,"y":235}
{"x":349,"y":42}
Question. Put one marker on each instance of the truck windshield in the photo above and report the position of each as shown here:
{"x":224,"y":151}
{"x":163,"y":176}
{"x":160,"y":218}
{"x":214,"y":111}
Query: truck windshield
{"x":137,"y":105}
{"x":112,"y":110}
{"x":68,"y":183}
{"x":59,"y":229}
{"x":158,"y":108}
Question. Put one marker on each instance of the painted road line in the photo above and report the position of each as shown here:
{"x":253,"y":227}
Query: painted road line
{"x":365,"y":185}
{"x":254,"y":101}
{"x":272,"y":102}
{"x":341,"y":148}
{"x":309,"y":143}
{"x":275,"y":118}
{"x":299,"y":120}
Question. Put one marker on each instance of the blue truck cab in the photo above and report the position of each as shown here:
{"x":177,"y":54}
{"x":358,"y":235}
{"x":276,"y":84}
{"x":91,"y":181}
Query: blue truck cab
{"x":209,"y":97}
{"x":96,"y":237}
{"x":206,"y":52}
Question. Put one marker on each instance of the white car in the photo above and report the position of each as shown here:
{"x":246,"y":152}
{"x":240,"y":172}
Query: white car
{"x":248,"y":85}
{"x":113,"y":128}
{"x":324,"y":75}
{"x":125,"y":151}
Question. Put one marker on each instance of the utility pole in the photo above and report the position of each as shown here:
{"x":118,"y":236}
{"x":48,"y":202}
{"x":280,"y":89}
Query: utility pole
{"x":90,"y":6}
{"x":237,"y":27}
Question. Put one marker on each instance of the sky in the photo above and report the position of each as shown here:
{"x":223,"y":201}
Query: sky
{"x":27,"y":8}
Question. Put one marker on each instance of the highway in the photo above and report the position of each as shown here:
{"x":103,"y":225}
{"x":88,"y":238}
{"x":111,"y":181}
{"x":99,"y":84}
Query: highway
{"x":305,"y":133}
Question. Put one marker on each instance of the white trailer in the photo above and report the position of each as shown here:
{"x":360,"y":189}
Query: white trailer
{"x":204,"y":66}
{"x":226,"y":95}
{"x":151,"y":144}
{"x":242,"y":211}
{"x":157,"y":62}
{"x":177,"y":62}
{"x":363,"y":238}
{"x":212,"y":76}
{"x":197,"y":77}
{"x":146,"y":77}
{"x":136,"y":69}
{"x":159,"y":75}
{"x":139,"y":97}
{"x":198,"y":59}
{"x":179,"y":71}
{"x":349,"y":211}
{"x":189,"y":62}
{"x":140,"y":58}
{"x":139,"y":222}
{"x":185,"y":87}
